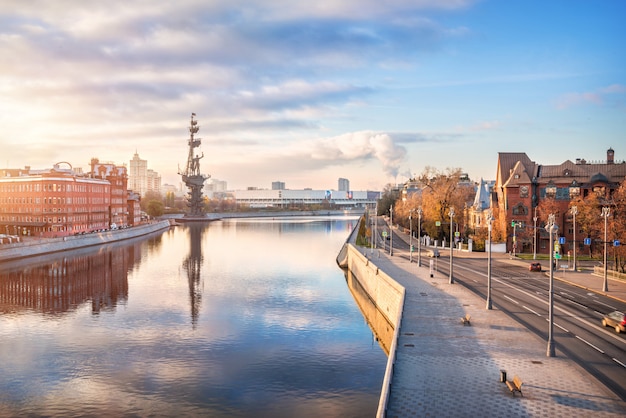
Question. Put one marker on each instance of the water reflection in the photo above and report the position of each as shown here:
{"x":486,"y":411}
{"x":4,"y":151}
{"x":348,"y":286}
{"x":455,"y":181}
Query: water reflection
{"x":275,"y":331}
{"x":57,"y":285}
{"x":193,"y":266}
{"x":378,"y":323}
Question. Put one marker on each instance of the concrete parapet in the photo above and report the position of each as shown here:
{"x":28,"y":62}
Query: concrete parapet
{"x":51,"y":245}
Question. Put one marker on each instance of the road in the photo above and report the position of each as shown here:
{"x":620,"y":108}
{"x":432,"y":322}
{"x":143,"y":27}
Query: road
{"x":524,"y":295}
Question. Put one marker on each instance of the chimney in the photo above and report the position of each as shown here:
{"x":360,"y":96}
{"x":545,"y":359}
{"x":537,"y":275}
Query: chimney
{"x":610,"y":154}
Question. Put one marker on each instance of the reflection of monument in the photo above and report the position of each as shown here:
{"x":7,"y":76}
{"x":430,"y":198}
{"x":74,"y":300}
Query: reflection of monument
{"x":193,"y":265}
{"x":192,"y":177}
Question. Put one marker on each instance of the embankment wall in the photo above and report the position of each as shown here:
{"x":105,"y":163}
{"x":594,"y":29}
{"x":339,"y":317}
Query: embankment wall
{"x":41,"y":246}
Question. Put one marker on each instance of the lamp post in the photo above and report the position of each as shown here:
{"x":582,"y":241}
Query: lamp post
{"x":489,"y":221}
{"x":419,"y":236}
{"x":574,"y":212}
{"x":551,"y":227}
{"x":451,"y":281}
{"x":605,"y":214}
{"x":411,"y":236}
{"x":535,"y":235}
{"x":391,"y":230}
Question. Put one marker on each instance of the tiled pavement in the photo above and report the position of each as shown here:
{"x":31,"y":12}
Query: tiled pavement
{"x":444,"y":368}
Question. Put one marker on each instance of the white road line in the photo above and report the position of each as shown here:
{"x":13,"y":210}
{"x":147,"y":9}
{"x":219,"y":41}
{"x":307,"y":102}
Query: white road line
{"x":619,"y":362}
{"x":511,"y":299}
{"x":528,"y":309}
{"x":564,"y":329}
{"x":589,"y":344}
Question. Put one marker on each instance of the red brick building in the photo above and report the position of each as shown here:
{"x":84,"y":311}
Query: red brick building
{"x":52,"y":203}
{"x":521,"y":184}
{"x":64,"y":201}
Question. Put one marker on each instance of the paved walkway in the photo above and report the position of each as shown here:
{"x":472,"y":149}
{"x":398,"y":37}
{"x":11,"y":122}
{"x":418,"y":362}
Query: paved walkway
{"x":444,"y":368}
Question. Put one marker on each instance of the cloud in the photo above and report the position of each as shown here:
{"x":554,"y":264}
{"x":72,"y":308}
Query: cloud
{"x":613,"y":95}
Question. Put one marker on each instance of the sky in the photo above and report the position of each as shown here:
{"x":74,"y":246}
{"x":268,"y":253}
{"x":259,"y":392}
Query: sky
{"x":308,"y":92}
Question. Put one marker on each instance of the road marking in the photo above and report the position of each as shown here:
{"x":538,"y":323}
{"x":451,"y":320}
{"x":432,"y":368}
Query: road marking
{"x":511,"y":299}
{"x":589,"y":344}
{"x":564,"y":329}
{"x":577,"y":303}
{"x":619,"y":362}
{"x":528,"y":309}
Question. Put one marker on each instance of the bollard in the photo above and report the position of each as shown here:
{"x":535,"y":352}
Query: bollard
{"x":502,"y":375}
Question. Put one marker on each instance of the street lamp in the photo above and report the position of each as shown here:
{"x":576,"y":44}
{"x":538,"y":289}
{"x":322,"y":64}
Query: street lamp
{"x":411,"y":236}
{"x":535,"y":235}
{"x":391,"y":230}
{"x":605,"y":214}
{"x":451,"y":281}
{"x":419,"y":236}
{"x":489,"y":221}
{"x":552,"y":228}
{"x":574,"y":212}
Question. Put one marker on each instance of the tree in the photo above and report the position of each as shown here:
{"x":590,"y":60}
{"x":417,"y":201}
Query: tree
{"x":442,"y":190}
{"x":389,"y":197}
{"x":148,"y":197}
{"x":155,"y":208}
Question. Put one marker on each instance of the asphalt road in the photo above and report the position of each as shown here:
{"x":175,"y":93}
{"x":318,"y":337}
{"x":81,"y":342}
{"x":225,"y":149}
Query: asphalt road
{"x":577,"y":330}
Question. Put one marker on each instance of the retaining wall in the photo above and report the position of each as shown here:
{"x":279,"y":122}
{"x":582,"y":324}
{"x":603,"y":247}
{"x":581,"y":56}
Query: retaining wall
{"x":39,"y":246}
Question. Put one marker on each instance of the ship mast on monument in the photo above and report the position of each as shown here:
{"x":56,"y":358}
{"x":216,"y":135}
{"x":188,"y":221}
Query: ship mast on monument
{"x":192,"y":177}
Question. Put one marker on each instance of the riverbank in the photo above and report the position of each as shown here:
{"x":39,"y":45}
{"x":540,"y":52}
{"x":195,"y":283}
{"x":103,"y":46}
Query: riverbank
{"x":38,"y":246}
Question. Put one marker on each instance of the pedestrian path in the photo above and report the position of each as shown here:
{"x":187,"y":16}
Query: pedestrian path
{"x":445,"y":368}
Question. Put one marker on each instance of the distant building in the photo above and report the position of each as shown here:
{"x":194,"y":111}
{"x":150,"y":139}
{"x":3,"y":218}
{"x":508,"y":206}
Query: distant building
{"x":521,"y":184}
{"x":278,"y":185}
{"x":138,"y":175}
{"x":141,"y":179}
{"x":284,"y":198}
{"x":343,"y":185}
{"x":477,"y":213}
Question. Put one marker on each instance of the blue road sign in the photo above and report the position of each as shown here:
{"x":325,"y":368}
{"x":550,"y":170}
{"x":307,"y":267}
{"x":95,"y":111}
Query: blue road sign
{"x":561,"y":240}
{"x":587,"y":241}
{"x":616,"y":243}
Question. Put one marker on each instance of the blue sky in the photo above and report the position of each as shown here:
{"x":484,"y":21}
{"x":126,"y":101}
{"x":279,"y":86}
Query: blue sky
{"x":307,"y":93}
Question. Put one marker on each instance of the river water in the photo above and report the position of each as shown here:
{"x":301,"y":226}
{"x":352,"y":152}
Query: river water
{"x":232,"y":318}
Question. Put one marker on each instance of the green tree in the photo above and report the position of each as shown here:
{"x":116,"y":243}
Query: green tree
{"x":155,"y":208}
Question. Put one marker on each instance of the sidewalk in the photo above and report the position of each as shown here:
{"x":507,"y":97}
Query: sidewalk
{"x":444,"y":368}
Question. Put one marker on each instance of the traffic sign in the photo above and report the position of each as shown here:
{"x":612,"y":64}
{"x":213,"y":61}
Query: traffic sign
{"x":616,"y":243}
{"x":587,"y":241}
{"x":457,"y":234}
{"x":384,"y":233}
{"x":437,"y":223}
{"x":561,"y":240}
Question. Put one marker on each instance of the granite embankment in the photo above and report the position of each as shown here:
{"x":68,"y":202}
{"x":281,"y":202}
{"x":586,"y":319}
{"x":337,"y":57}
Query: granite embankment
{"x":38,"y":246}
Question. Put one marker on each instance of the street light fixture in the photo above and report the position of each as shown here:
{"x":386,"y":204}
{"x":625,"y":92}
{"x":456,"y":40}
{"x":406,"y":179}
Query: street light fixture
{"x":535,"y":235}
{"x":574,"y":212}
{"x":451,"y":281}
{"x":391,"y":230}
{"x":606,"y":211}
{"x":419,"y":236}
{"x":410,"y":236}
{"x":489,"y":222}
{"x":552,"y":228}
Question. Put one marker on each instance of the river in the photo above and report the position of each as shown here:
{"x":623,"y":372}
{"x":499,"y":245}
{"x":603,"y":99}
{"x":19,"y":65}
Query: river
{"x":233,"y":318}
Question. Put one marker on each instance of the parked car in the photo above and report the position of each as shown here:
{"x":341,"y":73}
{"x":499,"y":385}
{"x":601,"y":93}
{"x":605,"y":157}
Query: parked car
{"x":534,"y":266}
{"x":615,"y":319}
{"x":433,"y":253}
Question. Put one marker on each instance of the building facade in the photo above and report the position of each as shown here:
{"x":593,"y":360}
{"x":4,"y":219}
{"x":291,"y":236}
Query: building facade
{"x":343,"y":185}
{"x":522,"y":184}
{"x":51,"y":203}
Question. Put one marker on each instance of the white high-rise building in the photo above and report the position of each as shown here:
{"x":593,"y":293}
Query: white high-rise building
{"x":141,"y":179}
